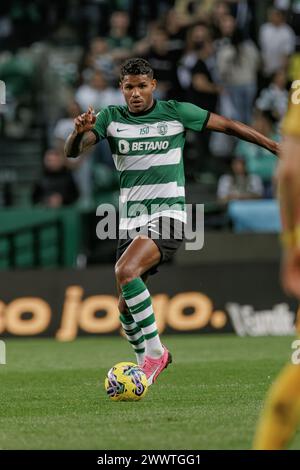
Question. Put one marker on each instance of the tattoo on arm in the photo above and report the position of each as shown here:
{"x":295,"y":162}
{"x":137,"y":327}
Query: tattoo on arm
{"x":76,"y":144}
{"x":75,"y":148}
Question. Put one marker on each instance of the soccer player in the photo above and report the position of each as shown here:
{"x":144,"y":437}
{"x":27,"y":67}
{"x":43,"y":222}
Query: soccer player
{"x":281,"y":413}
{"x":147,"y":139}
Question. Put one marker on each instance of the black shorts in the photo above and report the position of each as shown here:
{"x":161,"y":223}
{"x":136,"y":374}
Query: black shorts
{"x":167,"y":234}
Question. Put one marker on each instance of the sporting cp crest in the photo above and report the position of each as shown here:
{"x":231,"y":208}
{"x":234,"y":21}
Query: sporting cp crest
{"x":162,"y":128}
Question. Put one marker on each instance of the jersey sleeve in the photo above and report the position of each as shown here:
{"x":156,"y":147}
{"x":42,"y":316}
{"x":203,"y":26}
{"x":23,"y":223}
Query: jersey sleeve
{"x":101,"y":124}
{"x":192,"y":117}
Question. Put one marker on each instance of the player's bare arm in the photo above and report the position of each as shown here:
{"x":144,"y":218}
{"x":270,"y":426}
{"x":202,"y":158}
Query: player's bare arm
{"x":238,"y":129}
{"x":81,"y":138}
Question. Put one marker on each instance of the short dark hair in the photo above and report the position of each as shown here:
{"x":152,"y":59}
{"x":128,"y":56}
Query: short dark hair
{"x":136,"y":66}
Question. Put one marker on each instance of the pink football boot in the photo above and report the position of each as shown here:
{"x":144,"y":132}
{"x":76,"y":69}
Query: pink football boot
{"x":153,"y":367}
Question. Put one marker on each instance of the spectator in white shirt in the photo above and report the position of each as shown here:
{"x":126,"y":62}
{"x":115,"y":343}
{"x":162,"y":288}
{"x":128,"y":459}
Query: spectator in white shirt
{"x":238,"y":62}
{"x":239,"y":184}
{"x":98,"y":93}
{"x":277,"y":41}
{"x":274,"y":98}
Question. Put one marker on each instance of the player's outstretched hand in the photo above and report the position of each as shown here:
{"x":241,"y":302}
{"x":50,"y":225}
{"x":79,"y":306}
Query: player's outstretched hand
{"x":290,"y":272}
{"x":85,"y":122}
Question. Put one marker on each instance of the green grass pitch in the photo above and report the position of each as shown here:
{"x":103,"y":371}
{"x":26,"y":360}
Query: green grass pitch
{"x":52,"y":394}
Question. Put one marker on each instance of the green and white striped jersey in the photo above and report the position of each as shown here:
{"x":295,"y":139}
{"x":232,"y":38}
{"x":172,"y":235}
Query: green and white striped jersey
{"x":147,"y":150}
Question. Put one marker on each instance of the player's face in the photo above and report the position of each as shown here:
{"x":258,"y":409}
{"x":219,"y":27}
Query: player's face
{"x":138,"y":92}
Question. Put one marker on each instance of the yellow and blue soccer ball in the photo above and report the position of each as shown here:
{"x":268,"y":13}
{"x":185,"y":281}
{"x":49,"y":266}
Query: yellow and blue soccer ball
{"x":126,"y":381}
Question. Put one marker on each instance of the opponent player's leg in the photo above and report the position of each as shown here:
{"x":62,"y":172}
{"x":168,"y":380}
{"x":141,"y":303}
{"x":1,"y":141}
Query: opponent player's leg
{"x":131,"y":329}
{"x":281,"y":413}
{"x":141,"y":255}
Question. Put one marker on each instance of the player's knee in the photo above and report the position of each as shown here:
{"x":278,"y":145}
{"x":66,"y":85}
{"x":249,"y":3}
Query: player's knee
{"x":125,"y":273}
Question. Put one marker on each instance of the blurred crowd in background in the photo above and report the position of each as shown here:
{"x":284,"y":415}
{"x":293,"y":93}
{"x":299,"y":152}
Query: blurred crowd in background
{"x":236,"y":58}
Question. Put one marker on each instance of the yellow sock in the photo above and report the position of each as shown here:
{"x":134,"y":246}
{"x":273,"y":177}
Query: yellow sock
{"x":281,"y":413}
